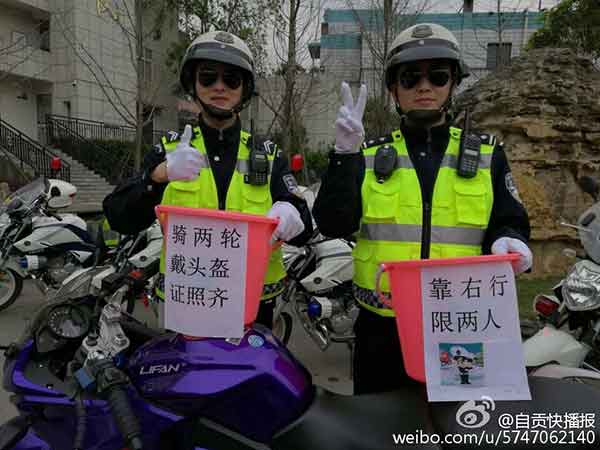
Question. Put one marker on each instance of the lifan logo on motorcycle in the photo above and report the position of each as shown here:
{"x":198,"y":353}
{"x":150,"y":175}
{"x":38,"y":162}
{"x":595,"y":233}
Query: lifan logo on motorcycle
{"x":160,"y":368}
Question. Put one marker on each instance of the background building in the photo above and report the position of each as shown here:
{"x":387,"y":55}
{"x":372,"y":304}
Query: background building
{"x":70,"y":83}
{"x":348,"y":36}
{"x":350,"y":49}
{"x":72,"y":58}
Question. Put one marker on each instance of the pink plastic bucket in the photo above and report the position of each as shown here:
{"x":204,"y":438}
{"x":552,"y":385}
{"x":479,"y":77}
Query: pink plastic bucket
{"x":260,"y":230}
{"x":405,"y":286}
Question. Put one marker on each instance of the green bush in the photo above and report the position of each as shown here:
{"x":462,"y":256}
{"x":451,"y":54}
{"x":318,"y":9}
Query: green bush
{"x":316,"y":164}
{"x":111,"y":159}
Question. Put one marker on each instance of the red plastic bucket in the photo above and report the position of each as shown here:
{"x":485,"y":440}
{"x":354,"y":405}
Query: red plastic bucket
{"x":405,"y":287}
{"x":260,"y":230}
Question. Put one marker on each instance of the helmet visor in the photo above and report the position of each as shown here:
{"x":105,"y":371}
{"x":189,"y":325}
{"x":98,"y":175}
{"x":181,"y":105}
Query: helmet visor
{"x":220,"y":53}
{"x":422,"y":53}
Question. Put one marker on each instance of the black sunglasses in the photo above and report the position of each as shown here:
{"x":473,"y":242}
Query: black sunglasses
{"x":410,"y":78}
{"x":232,"y":79}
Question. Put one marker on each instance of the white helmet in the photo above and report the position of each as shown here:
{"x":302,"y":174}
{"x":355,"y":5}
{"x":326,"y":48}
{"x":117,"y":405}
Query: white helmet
{"x":421,"y":42}
{"x":60,"y":194}
{"x":223,"y":47}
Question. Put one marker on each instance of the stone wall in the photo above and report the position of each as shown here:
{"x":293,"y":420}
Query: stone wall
{"x":545,"y":107}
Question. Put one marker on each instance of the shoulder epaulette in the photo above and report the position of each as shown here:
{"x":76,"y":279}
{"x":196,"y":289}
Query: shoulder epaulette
{"x":378,"y":141}
{"x":270,"y":147}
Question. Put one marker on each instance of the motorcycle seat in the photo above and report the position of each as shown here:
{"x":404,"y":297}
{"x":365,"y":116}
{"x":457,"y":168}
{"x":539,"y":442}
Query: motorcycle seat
{"x":549,"y":396}
{"x":364,"y":422}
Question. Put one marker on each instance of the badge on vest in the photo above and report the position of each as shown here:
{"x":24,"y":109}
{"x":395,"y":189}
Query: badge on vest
{"x":385,"y":162}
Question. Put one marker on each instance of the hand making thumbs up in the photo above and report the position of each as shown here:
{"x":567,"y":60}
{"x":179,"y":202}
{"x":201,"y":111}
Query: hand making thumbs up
{"x":349,"y":131}
{"x":185,"y":162}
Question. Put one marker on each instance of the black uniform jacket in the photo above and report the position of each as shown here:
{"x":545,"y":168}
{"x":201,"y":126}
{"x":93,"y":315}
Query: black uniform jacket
{"x":130,"y":207}
{"x":338,"y":207}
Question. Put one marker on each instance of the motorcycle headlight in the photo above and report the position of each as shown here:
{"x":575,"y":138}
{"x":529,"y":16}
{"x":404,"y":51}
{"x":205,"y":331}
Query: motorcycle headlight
{"x":581,"y":288}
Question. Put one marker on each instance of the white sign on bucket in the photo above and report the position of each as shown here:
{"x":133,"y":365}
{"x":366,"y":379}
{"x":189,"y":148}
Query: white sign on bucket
{"x":205,"y":282}
{"x":471,"y":333}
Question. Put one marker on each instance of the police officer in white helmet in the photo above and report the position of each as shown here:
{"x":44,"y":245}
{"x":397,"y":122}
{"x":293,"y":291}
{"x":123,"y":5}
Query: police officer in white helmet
{"x":426,"y":190}
{"x":217,"y":164}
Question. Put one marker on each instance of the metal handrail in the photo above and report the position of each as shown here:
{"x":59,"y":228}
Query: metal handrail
{"x":32,"y":153}
{"x":89,"y":153}
{"x":93,"y":129}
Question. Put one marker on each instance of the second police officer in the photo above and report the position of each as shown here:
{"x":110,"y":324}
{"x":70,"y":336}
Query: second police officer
{"x":217,"y":165}
{"x":422,"y":191}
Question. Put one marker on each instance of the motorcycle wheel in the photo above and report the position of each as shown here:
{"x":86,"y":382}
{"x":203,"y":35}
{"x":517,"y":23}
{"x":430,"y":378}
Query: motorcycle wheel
{"x":11,"y":285}
{"x":282,"y":327}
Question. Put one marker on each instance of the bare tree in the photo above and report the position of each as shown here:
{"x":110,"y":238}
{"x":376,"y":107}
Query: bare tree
{"x":131,"y":16}
{"x":293,"y":29}
{"x":379,"y":22}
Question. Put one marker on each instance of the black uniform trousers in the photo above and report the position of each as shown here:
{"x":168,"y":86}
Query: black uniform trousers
{"x":378,"y":364}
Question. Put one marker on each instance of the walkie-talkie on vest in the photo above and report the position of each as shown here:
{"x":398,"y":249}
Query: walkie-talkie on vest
{"x":470,"y":151}
{"x":258,"y":162}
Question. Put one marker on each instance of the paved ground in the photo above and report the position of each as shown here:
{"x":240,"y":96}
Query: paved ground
{"x":330,"y":369}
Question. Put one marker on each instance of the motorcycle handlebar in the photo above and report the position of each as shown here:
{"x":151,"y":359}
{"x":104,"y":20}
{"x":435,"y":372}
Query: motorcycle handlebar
{"x":111,"y":383}
{"x":127,"y":422}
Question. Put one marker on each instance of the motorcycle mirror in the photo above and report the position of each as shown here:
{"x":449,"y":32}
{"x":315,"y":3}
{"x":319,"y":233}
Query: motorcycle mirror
{"x":589,"y":185}
{"x":297,"y":162}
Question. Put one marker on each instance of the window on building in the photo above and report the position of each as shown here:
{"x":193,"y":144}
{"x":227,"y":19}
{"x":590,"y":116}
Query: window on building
{"x":324,"y":28}
{"x":497,"y":56}
{"x":147,"y":66}
{"x":45,"y":35}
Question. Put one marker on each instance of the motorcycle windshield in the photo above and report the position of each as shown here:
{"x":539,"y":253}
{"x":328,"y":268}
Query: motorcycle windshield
{"x":24,"y":197}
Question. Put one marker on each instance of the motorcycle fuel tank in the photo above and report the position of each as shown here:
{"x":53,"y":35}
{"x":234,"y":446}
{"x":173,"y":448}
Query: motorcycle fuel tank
{"x":69,"y":234}
{"x":253,"y":386}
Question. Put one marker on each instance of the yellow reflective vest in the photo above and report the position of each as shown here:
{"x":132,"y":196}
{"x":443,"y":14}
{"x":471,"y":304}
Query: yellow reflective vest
{"x":111,"y":237}
{"x":241,"y":197}
{"x":394,"y":226}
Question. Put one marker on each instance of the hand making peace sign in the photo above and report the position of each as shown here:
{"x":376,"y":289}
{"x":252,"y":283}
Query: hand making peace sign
{"x":349,"y":131}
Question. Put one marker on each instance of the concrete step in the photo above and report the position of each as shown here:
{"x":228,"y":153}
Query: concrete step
{"x":92,"y":187}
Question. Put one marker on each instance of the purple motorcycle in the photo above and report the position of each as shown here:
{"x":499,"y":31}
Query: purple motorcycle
{"x":86,"y":375}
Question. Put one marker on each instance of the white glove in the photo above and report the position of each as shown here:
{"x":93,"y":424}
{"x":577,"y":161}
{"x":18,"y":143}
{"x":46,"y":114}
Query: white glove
{"x":349,"y":131}
{"x":290,"y":224}
{"x":185,"y":162}
{"x":505,"y":245}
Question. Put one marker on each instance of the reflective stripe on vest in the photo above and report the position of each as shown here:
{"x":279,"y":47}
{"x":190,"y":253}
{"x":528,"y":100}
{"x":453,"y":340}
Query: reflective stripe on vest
{"x":392,"y":215}
{"x":412,"y":233}
{"x":241,"y":197}
{"x":111,"y":237}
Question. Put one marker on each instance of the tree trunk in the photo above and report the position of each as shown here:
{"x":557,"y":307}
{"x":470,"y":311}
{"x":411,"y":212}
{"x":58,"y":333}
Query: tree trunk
{"x":139,"y":114}
{"x":499,"y":54}
{"x":288,"y":127}
{"x":387,"y":25}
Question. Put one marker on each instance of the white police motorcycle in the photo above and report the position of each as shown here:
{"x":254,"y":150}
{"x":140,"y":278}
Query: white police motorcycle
{"x":569,"y":340}
{"x":36,"y":242}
